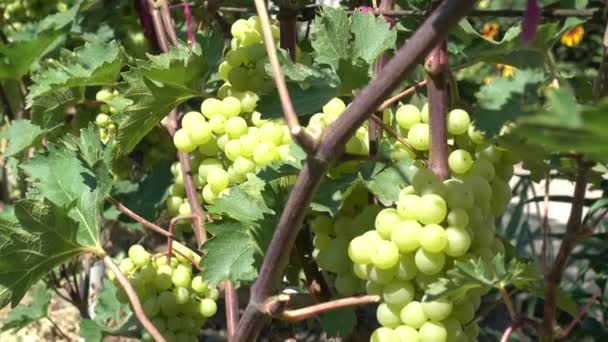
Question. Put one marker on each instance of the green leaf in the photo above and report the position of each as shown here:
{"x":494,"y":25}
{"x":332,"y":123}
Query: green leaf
{"x":507,"y":99}
{"x":241,"y":205}
{"x":108,"y":308}
{"x":24,"y":315}
{"x":150,"y":102}
{"x":332,"y":192}
{"x":21,"y":134}
{"x":339,"y":323}
{"x":331,"y":36}
{"x":16,"y":58}
{"x":373,"y":36}
{"x":92,"y":64}
{"x":386,"y":181}
{"x":534,"y":156}
{"x":44,"y":237}
{"x":91,"y":331}
{"x":230,"y":253}
{"x":564,"y":302}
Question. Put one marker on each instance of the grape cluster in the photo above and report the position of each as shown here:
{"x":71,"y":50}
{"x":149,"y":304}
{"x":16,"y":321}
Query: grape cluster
{"x":176,"y":299}
{"x":435,"y":223}
{"x":26,"y":10}
{"x":107,"y":127}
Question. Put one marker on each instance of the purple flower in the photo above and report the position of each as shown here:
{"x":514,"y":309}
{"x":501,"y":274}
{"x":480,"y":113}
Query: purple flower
{"x":530,"y":22}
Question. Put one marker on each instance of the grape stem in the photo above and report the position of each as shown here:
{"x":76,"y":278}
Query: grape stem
{"x":277,"y":307}
{"x":407,"y":92}
{"x":392,"y":133}
{"x":172,"y":224}
{"x":573,"y":227}
{"x":123,"y":209}
{"x":137,"y":308}
{"x":298,"y":133}
{"x":330,"y":148}
{"x":545,"y":223}
{"x":232,"y":308}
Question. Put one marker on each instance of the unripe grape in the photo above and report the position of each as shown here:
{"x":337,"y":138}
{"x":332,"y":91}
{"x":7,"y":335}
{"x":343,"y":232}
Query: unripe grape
{"x":163,"y":277}
{"x":472,"y":331}
{"x":360,"y":250}
{"x":437,"y":310}
{"x":264,"y":153}
{"x":182,"y":295}
{"x":407,"y":334}
{"x":386,"y":220}
{"x":373,"y":288}
{"x":384,"y":334}
{"x":429,"y":263}
{"x":183,"y":142}
{"x":207,"y":307}
{"x":458,"y":217}
{"x":271,"y":132}
{"x":424,"y":113}
{"x":398,"y":293}
{"x":181,"y":278}
{"x":243,"y":165}
{"x":460,"y":161}
{"x":218,"y":180}
{"x":199,"y":132}
{"x":381,"y":276}
{"x":464,"y":312}
{"x":103,"y":120}
{"x":217,"y":124}
{"x":433,"y":238}
{"x":222,"y":141}
{"x":139,"y":256}
{"x":432,"y":209}
{"x":387,"y":317}
{"x":168,"y":305}
{"x":104,"y":95}
{"x":477,"y":137}
{"x":418,"y":136}
{"x":248,"y":144}
{"x":236,"y":127}
{"x":407,"y":116}
{"x":424,"y":179}
{"x":126,"y":266}
{"x":386,"y":255}
{"x":459,"y":241}
{"x":433,"y":331}
{"x":192,"y":118}
{"x":413,"y":315}
{"x":233,"y":149}
{"x":405,"y":235}
{"x":458,"y":121}
{"x":184,"y":209}
{"x":248,"y":100}
{"x":406,"y":269}
{"x":199,"y":285}
{"x":482,"y":168}
{"x":334,"y":108}
{"x":407,"y":206}
{"x":211,"y":107}
{"x":238,"y":28}
{"x":458,"y":195}
{"x":361,"y":271}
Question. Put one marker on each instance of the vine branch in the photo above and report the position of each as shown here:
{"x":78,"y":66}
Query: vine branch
{"x":123,"y":209}
{"x":295,"y":315}
{"x":331,"y":148}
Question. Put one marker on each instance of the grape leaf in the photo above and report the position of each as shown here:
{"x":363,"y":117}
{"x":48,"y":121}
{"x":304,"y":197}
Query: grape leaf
{"x":534,"y":156}
{"x":339,"y":323}
{"x":386,"y":181}
{"x":92,"y":64}
{"x":21,"y":134}
{"x":90,"y":331}
{"x":43,"y":238}
{"x":507,"y":99}
{"x":373,"y":36}
{"x":230,"y":253}
{"x":24,"y":315}
{"x":331,"y":36}
{"x":332,"y":192}
{"x":244,"y":203}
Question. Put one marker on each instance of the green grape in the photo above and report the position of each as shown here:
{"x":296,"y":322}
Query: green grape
{"x":454,"y":330}
{"x":384,"y":334}
{"x":483,"y":168}
{"x":160,"y":323}
{"x":504,"y":170}
{"x":233,"y":149}
{"x":224,"y":71}
{"x":497,"y":247}
{"x":373,"y":288}
{"x":104,"y":95}
{"x":429,"y":263}
{"x":322,"y":225}
{"x":407,"y":116}
{"x":433,"y":238}
{"x":406,"y":269}
{"x":207,"y":307}
{"x":424,"y":113}
{"x":491,"y":153}
{"x":243,"y":165}
{"x":185,"y":209}
{"x":214,"y":293}
{"x":163,"y":277}
{"x":405,"y":235}
{"x":103,"y":120}
{"x":480,"y":187}
{"x":126,"y":266}
{"x":407,"y":206}
{"x":386,"y":220}
{"x":181,"y":294}
{"x":151,"y":306}
{"x":459,"y":195}
{"x":501,"y":195}
{"x":386,"y":255}
{"x":334,"y":108}
{"x":413,"y":315}
{"x":360,"y":249}
{"x":248,"y":100}
{"x":199,"y":285}
{"x":424,"y":179}
{"x":285,"y":153}
{"x":239,"y":28}
{"x":437,"y":310}
{"x":458,"y":121}
{"x":271,"y":132}
{"x":237,"y":57}
{"x":235,"y":127}
{"x":264,"y":153}
{"x":459,"y":241}
{"x":183,"y":142}
{"x":407,"y":333}
{"x":231,"y":107}
{"x":335,"y":258}
{"x":239,"y":78}
{"x":432,"y":209}
{"x":387,"y":317}
{"x":169,"y":336}
{"x":418,"y":136}
{"x":398,"y":293}
{"x":211,"y":107}
{"x":147,"y":273}
{"x":222,"y":141}
{"x":433,"y":332}
{"x":361,"y":271}
{"x":218,"y":180}
{"x":248,"y":144}
{"x":477,"y":137}
{"x":217,"y":124}
{"x":460,"y":161}
{"x":168,"y":305}
{"x":199,"y":132}
{"x":192,"y":118}
{"x":347,"y":285}
{"x":472,"y":331}
{"x":464,"y":312}
{"x":458,"y":217}
{"x":139,"y":256}
{"x":381,"y":276}
{"x":208,"y":195}
{"x":174,"y":324}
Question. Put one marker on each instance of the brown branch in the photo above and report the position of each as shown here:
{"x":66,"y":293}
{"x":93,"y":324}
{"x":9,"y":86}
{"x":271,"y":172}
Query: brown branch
{"x":123,"y":209}
{"x":388,"y":129}
{"x":135,"y":303}
{"x":407,"y":92}
{"x":298,"y":133}
{"x":296,"y":315}
{"x":545,"y":223}
{"x":437,"y":86}
{"x":573,"y":227}
{"x":172,"y":224}
{"x":231,"y":302}
{"x":167,"y":21}
{"x":159,"y":31}
{"x":435,"y":28}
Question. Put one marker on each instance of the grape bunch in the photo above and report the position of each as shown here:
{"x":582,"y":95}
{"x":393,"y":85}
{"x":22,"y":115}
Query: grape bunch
{"x":435,"y":223}
{"x":107,"y":127}
{"x":174,"y":297}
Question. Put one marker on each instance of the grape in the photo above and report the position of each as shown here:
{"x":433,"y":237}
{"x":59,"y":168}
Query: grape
{"x":464,"y":312}
{"x":243,"y":165}
{"x":437,"y":310}
{"x":147,"y":273}
{"x":168,"y":305}
{"x":271,"y":132}
{"x":407,"y":206}
{"x":386,"y":220}
{"x":501,"y":195}
{"x":151,"y":307}
{"x":211,"y":107}
{"x":407,"y":333}
{"x":424,"y":113}
{"x":460,"y":161}
{"x":174,"y":324}
{"x":347,"y":285}
{"x":184,"y":209}
{"x":433,"y":238}
{"x":207,"y":307}
{"x":218,"y":180}
{"x":373,"y":288}
{"x":181,"y":295}
{"x":407,"y":116}
{"x":104,"y":95}
{"x":208,"y":195}
{"x":139,"y":256}
{"x":459,"y":241}
{"x":248,"y":144}
{"x":433,"y":332}
{"x":418,"y":136}
{"x":387,"y":317}
{"x":477,"y":137}
{"x":405,"y":235}
{"x":103,"y":120}
{"x":335,"y":258}
{"x":183,"y":142}
{"x":217,"y":124}
{"x":482,"y":168}
{"x":424,"y":179}
{"x":360,"y":250}
{"x":432,"y":209}
{"x":224,"y":71}
{"x":398,"y":293}
{"x":472,"y":331}
{"x":233,"y":149}
{"x":181,"y":278}
{"x":458,"y":217}
{"x":210,"y":148}
{"x":386,"y":255}
{"x":163,"y":277}
{"x":381,"y":276}
{"x":480,"y":187}
{"x":361,"y":271}
{"x":384,"y":334}
{"x":406,"y":269}
{"x":222,"y":141}
{"x":458,"y":121}
{"x":334,"y":108}
{"x":491,"y":153}
{"x":458,"y":195}
{"x":248,"y":100}
{"x":126,"y":266}
{"x":199,"y":285}
{"x":199,"y":132}
{"x":429,"y":263}
{"x":322,"y":225}
{"x":264,"y":153}
{"x":413,"y":315}
{"x":231,"y":107}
